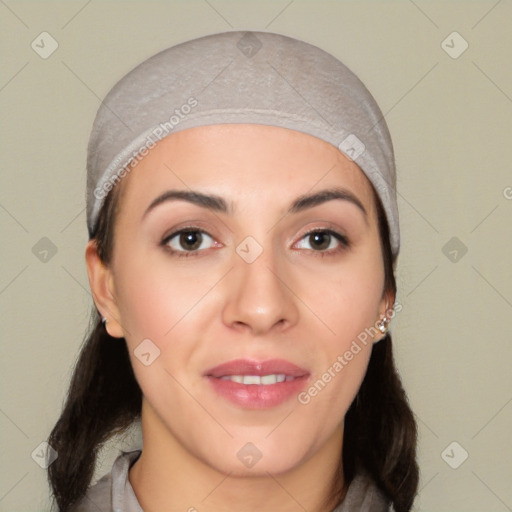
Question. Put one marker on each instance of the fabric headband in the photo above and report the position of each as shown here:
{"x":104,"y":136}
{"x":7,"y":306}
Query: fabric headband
{"x":240,"y":77}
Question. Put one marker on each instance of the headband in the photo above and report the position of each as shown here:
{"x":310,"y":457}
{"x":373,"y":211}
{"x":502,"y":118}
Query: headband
{"x":240,"y":77}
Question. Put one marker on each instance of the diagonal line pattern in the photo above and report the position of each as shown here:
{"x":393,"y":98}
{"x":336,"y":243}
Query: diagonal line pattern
{"x":485,"y":218}
{"x":492,"y":81}
{"x":423,"y":280}
{"x":425,"y":485}
{"x":216,"y":487}
{"x":280,"y":423}
{"x":13,"y":13}
{"x":198,"y":301}
{"x":418,"y":212}
{"x":425,"y":14}
{"x":426,"y":426}
{"x":1,"y":410}
{"x":404,"y":95}
{"x":486,"y":14}
{"x":72,"y":220}
{"x":13,"y":279}
{"x":75,"y":15}
{"x":286,"y":491}
{"x":75,"y":279}
{"x":96,"y":507}
{"x":491,"y":491}
{"x":14,"y":76}
{"x":298,"y":93}
{"x":493,"y":287}
{"x":100,"y":100}
{"x":213,"y":8}
{"x":279,"y":14}
{"x":501,"y":409}
{"x":198,"y":402}
{"x":314,"y":314}
{"x":215,"y":77}
{"x":13,"y":218}
{"x":13,"y":486}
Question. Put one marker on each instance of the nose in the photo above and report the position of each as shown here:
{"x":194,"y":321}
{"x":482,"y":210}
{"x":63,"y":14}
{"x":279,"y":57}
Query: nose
{"x":259,"y":298}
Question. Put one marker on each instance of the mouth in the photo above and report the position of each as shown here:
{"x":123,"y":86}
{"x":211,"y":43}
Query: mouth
{"x":257,"y":380}
{"x":257,"y":384}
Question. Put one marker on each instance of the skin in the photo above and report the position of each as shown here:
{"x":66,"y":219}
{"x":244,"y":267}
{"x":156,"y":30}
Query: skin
{"x":295,"y":302}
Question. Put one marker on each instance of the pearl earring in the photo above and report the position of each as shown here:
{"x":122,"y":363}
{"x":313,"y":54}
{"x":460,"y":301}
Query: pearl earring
{"x":383,"y":325}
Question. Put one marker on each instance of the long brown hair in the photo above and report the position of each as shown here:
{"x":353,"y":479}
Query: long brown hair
{"x":104,"y":399}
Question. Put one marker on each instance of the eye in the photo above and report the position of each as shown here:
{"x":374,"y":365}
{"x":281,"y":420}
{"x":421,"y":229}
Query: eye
{"x":188,"y":240}
{"x":322,"y":241}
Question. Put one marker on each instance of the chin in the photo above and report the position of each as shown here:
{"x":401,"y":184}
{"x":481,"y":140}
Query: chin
{"x":256,"y":456}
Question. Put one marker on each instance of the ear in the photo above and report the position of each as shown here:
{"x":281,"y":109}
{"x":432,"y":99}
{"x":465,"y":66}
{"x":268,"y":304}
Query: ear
{"x":101,"y":283}
{"x":386,"y":310}
{"x":386,"y":304}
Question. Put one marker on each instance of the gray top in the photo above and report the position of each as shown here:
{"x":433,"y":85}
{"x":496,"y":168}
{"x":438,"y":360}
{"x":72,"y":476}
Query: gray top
{"x":114,"y":493}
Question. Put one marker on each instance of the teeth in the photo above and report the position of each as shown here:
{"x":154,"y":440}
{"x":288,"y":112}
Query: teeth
{"x":268,"y":379}
{"x":265,"y":380}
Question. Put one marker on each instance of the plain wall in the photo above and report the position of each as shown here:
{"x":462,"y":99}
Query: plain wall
{"x":451,"y":123}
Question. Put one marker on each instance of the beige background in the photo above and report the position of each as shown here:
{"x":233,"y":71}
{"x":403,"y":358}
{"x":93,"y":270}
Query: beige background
{"x":451,"y":123}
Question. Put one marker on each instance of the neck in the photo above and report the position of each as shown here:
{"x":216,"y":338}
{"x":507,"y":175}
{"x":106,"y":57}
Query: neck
{"x":168,"y":477}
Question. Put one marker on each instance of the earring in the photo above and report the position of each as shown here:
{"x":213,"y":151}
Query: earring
{"x":104,"y":321}
{"x":383,"y":325}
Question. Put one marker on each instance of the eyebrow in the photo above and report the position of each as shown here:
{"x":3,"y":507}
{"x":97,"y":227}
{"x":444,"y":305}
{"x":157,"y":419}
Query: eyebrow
{"x":218,"y":204}
{"x":310,"y":200}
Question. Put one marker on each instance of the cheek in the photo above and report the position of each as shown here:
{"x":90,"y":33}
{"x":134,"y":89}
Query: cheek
{"x":347,"y":308}
{"x":167,"y":309}
{"x":348,"y":301}
{"x":349,"y":311}
{"x":153,"y":298}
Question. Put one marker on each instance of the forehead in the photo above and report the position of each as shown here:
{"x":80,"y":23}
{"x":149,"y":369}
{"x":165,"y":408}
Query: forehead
{"x":264,"y":165}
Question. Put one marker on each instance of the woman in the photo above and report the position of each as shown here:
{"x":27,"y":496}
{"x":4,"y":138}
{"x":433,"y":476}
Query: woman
{"x":243,"y":234}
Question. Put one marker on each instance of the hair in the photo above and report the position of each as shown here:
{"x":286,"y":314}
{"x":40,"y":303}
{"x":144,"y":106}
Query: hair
{"x":104,"y":399}
{"x":380,"y":432}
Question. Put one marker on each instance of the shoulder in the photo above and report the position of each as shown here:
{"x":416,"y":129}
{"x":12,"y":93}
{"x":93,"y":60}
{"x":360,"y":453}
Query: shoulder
{"x":363,"y":495}
{"x":97,"y":498}
{"x":101,"y":496}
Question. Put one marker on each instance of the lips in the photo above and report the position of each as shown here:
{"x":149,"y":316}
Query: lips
{"x":263,"y":380}
{"x":257,"y":384}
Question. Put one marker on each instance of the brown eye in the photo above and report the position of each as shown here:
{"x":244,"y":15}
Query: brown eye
{"x":323,"y":240}
{"x":190,"y":240}
{"x":320,"y":241}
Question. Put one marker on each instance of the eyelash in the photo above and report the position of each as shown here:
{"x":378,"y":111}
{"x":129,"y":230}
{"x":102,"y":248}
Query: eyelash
{"x":343,"y":240}
{"x":344,"y":243}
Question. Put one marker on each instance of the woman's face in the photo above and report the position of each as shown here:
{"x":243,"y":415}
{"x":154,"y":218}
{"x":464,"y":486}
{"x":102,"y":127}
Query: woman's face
{"x":277,"y":271}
